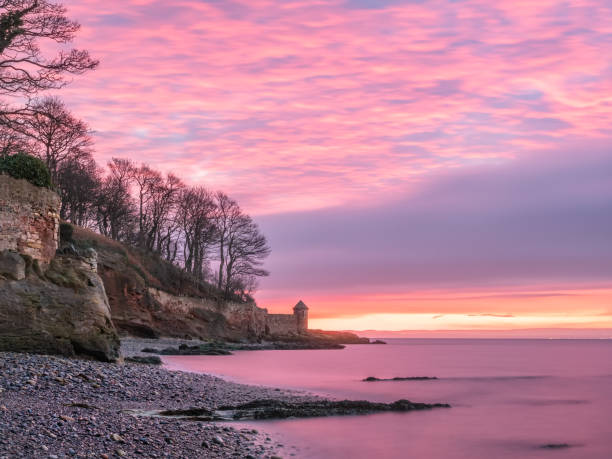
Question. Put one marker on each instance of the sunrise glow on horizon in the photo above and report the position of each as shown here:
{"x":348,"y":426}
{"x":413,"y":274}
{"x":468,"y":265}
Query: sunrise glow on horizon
{"x":414,"y":165}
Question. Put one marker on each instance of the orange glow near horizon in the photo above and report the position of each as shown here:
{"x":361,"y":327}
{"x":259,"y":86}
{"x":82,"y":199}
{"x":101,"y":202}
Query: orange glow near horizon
{"x":588,"y":308}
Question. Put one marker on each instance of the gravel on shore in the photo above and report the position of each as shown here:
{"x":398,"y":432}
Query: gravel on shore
{"x":54,"y":407}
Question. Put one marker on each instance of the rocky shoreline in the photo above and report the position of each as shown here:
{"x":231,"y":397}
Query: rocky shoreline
{"x":143,"y":347}
{"x":54,"y":407}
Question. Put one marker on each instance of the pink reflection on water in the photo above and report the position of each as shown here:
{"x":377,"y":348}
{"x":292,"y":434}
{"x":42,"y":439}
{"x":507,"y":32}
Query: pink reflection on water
{"x":509,"y":397}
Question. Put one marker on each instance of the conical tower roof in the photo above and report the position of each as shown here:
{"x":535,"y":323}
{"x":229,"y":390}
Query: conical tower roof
{"x":300,"y":306}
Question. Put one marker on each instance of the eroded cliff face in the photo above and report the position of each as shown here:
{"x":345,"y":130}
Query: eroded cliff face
{"x":139,"y":310}
{"x":212,"y":319}
{"x":50,"y":304}
{"x":149,"y":298}
{"x":63,"y":310}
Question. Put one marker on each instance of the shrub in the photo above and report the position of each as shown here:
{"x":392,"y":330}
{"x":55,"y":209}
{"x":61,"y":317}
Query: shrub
{"x":22,"y":166}
{"x":66,"y":232}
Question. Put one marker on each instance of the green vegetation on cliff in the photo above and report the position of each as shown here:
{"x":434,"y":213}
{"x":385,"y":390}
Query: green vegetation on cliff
{"x":30,"y":168}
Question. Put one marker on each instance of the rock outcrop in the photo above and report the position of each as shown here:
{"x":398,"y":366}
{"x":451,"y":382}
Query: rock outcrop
{"x":278,"y":409}
{"x":12,"y":265}
{"x":65,"y":311}
{"x":49,"y":304}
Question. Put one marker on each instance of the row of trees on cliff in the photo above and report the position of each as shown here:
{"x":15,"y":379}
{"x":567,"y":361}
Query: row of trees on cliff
{"x":204,"y":232}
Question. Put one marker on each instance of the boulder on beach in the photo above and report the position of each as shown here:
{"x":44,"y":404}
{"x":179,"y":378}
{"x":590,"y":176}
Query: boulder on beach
{"x":65,"y":311}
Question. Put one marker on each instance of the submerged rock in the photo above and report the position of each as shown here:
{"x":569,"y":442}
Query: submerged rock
{"x":397,"y":378}
{"x":220,"y":348}
{"x":277,"y":409}
{"x":183,"y":349}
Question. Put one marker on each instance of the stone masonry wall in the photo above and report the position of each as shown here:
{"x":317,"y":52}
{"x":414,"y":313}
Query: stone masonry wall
{"x":198,"y":317}
{"x":281,"y":324}
{"x":29,"y":219}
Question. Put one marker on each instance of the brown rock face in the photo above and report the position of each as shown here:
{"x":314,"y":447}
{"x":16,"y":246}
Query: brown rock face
{"x":64,"y":312}
{"x":12,"y":265}
{"x":149,"y":312}
{"x":29,"y":219}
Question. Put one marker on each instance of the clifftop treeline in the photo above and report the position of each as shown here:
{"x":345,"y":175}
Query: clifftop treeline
{"x":202,"y":231}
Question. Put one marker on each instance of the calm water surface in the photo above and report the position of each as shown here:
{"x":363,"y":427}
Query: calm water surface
{"x":508,"y":397}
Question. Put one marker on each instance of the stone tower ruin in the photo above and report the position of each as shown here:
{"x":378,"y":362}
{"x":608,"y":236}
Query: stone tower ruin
{"x":300,"y":311}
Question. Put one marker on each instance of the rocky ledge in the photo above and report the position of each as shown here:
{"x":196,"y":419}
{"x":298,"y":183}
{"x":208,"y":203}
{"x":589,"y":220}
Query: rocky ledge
{"x":221,"y":348}
{"x":279,"y":409}
{"x":401,"y":378}
{"x":142,"y":347}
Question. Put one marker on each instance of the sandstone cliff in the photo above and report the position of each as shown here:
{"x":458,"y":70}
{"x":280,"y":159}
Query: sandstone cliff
{"x":150,"y":297}
{"x":48,"y":304}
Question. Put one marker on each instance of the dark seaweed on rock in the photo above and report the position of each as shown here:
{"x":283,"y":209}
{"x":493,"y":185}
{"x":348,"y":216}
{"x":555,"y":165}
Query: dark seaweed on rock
{"x":397,"y":378}
{"x":187,"y":412}
{"x":148,"y":360}
{"x":277,"y":409}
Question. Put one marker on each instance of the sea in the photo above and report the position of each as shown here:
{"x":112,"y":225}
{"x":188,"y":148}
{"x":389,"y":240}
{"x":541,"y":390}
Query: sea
{"x":510,"y":398}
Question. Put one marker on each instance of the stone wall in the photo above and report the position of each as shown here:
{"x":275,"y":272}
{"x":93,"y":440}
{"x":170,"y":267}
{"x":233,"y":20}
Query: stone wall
{"x":281,"y":324}
{"x":29,"y":219}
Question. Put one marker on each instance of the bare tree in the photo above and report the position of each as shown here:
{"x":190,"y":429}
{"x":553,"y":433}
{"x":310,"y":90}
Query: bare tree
{"x":55,"y":134}
{"x":115,"y":213}
{"x":161,"y":210}
{"x":157,"y":198}
{"x":227,"y":213}
{"x":145,"y":179}
{"x":79,"y":182}
{"x":12,"y":142}
{"x":24,"y":24}
{"x":242,"y":247}
{"x":195,"y":217}
{"x":246,"y":250}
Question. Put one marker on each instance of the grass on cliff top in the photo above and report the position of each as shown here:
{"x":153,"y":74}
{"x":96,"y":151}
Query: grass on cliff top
{"x":143,"y":268}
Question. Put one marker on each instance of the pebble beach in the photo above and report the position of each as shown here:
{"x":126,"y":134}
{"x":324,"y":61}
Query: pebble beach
{"x":53,"y":407}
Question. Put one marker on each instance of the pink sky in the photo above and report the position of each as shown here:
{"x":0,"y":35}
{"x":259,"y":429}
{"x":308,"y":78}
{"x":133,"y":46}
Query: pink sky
{"x":410,"y":161}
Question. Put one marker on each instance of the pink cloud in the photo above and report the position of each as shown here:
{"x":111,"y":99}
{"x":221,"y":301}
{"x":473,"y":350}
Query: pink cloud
{"x":270,"y":98}
{"x":298,"y":106}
